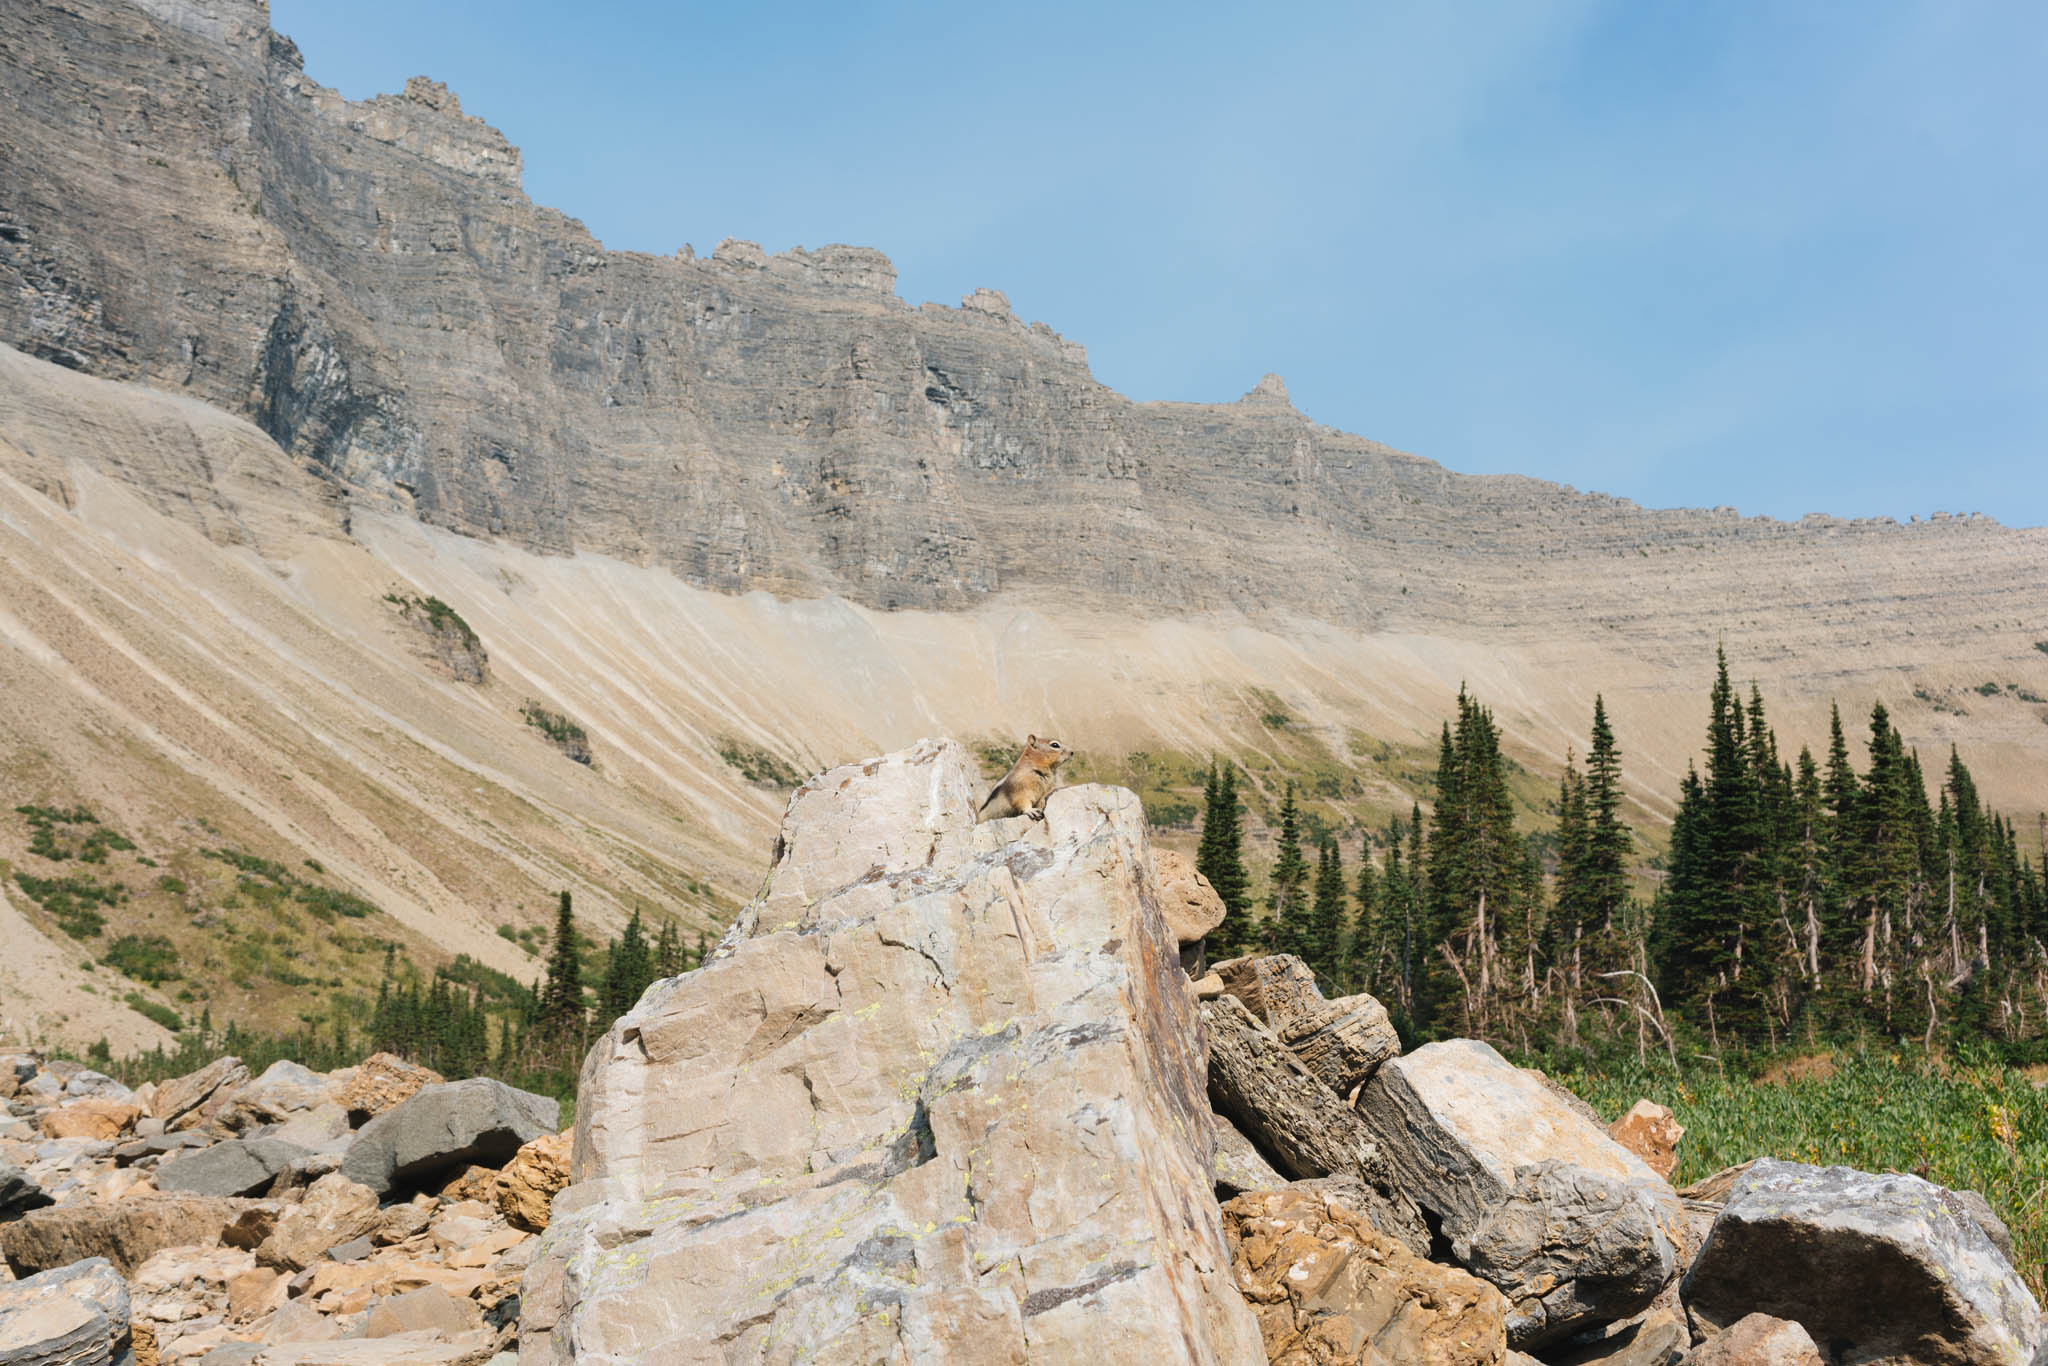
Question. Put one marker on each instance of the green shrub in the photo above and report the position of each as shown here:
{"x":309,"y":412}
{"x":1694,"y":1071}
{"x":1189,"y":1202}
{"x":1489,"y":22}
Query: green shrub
{"x":150,"y":958}
{"x":757,"y":765}
{"x":553,"y":724}
{"x":150,"y":1010}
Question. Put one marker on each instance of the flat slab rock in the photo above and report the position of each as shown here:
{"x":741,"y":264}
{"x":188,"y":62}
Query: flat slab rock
{"x":1886,"y":1268}
{"x":445,"y":1127}
{"x":938,"y":1096}
{"x":243,"y":1166}
{"x":1574,"y":1229}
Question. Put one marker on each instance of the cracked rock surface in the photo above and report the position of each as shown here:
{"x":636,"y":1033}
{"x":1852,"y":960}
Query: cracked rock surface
{"x":939,"y":1095}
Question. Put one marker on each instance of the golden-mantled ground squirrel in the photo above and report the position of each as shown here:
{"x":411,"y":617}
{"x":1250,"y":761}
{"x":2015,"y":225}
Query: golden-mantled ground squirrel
{"x":1023,"y":790}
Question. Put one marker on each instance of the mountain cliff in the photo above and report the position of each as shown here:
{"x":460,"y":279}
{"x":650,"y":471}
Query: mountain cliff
{"x":367,"y":283}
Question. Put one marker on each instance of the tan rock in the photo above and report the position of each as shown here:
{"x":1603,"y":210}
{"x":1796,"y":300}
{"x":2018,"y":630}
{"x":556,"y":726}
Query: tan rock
{"x":486,"y":1250}
{"x":1758,"y":1340}
{"x":947,"y":1067}
{"x":473,"y":1183}
{"x":1276,"y":987}
{"x":1342,"y":1041}
{"x":1650,"y":1132}
{"x":127,"y":1232}
{"x":253,"y":1223}
{"x":1191,"y":906}
{"x":334,"y":1210}
{"x":1328,"y":1289}
{"x":142,"y":1341}
{"x":100,"y":1119}
{"x":197,"y":1098}
{"x":430,"y":1310}
{"x":1207,"y":988}
{"x":381,"y":1082}
{"x":254,"y":1293}
{"x":530,"y":1181}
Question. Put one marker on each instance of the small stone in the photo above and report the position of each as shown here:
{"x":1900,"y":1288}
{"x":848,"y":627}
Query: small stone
{"x":1650,"y":1132}
{"x":1759,"y":1340}
{"x":531,"y":1180}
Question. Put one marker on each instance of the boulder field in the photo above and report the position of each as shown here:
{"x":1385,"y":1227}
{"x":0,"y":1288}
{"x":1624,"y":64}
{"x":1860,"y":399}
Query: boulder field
{"x":960,"y":1092}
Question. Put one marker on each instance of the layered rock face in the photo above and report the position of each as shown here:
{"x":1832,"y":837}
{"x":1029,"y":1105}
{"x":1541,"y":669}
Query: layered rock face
{"x":179,"y":203}
{"x":938,"y":1096}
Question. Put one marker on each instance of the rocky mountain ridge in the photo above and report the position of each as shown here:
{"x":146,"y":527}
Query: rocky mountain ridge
{"x":365,"y":280}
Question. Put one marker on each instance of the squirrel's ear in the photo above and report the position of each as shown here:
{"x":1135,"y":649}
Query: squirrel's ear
{"x":1031,"y":739}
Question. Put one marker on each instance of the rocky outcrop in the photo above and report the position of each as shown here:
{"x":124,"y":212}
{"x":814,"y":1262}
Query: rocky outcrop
{"x":938,"y":1095}
{"x":1909,"y":1276}
{"x":191,"y":1101}
{"x":184,"y":206}
{"x":1328,"y":1288}
{"x":1574,"y":1229}
{"x":1297,"y":1122}
{"x":126,"y":1232}
{"x":443,"y":1128}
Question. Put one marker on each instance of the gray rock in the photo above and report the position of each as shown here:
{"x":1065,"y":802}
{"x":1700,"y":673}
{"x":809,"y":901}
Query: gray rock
{"x":444,"y":1127}
{"x":1239,"y":1166}
{"x":243,"y":1166}
{"x":75,"y":1315}
{"x":89,"y":1084}
{"x":1571,"y":1226}
{"x":232,"y":1354}
{"x":19,"y":1192}
{"x":156,"y":1145}
{"x":1875,"y":1268}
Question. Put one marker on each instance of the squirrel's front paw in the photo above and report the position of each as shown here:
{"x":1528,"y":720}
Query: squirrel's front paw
{"x":1036,"y":815}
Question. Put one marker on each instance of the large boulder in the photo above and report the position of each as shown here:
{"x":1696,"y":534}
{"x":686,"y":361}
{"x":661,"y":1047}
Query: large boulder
{"x":197,"y":1098}
{"x":1339,"y":1041}
{"x":1572,"y":1227}
{"x":1328,"y":1288}
{"x":442,"y":1128}
{"x":938,"y":1096}
{"x":284,"y":1090}
{"x":94,"y":1118}
{"x":75,"y":1315}
{"x":243,"y":1166}
{"x":1296,"y":1121}
{"x":127,"y":1232}
{"x":333,"y":1211}
{"x":1878,"y":1268}
{"x":1191,"y":906}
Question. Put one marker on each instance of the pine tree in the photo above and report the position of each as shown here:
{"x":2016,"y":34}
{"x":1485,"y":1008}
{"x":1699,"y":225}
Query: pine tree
{"x":561,"y":1002}
{"x":1220,"y":858}
{"x":668,"y":951}
{"x":1603,"y":872}
{"x":1324,"y":941}
{"x":1364,"y":956}
{"x":629,"y":969}
{"x":1289,"y":904}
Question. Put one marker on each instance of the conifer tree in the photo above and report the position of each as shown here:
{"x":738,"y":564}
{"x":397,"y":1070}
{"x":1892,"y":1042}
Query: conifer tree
{"x":1364,"y":955}
{"x":561,"y":1000}
{"x":1603,"y":872}
{"x":668,"y":951}
{"x":1220,"y":858}
{"x":1289,"y":904}
{"x":1324,"y":941}
{"x":629,"y":969}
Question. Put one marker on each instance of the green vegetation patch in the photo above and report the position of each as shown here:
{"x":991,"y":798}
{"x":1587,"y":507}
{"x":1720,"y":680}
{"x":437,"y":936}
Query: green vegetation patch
{"x":73,"y":902}
{"x":146,"y":958}
{"x":554,"y":725}
{"x":1969,"y":1125}
{"x":53,"y":834}
{"x":757,"y":765}
{"x":151,"y":1010}
{"x":438,"y":615}
{"x":271,"y":886}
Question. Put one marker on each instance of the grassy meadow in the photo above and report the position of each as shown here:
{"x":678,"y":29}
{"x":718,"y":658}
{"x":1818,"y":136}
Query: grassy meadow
{"x":1968,"y":1123}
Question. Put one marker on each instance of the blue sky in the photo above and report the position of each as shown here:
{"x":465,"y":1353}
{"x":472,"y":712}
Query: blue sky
{"x":1791,"y":257}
